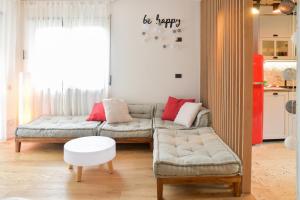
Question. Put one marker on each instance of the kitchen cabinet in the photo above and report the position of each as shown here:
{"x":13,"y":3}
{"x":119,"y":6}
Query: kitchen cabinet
{"x":275,"y":37}
{"x":275,"y":115}
{"x":276,"y":48}
{"x":276,"y":26}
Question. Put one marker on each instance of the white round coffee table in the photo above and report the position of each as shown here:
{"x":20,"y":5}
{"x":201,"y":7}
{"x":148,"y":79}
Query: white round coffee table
{"x":89,"y":151}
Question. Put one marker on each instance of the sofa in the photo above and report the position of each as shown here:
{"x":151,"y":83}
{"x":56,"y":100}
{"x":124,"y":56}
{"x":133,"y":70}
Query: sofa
{"x":60,"y":129}
{"x":181,"y":155}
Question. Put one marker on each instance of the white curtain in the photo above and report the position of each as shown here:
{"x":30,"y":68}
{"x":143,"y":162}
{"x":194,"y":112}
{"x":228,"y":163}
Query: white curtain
{"x":8,"y":26}
{"x":66,"y":57}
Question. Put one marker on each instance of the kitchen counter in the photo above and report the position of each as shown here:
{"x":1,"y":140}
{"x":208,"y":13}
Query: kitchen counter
{"x":279,"y":89}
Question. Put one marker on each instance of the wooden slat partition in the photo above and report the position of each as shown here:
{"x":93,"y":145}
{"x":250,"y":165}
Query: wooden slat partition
{"x":226,"y":74}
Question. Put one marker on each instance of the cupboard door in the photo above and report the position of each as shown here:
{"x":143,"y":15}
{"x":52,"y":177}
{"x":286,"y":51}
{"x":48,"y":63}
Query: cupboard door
{"x":276,"y":26}
{"x":282,"y":48}
{"x":274,"y":115}
{"x":268,"y":48}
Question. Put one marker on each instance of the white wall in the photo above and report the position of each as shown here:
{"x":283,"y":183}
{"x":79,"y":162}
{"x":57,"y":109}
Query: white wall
{"x":144,"y":72}
{"x":298,"y":107}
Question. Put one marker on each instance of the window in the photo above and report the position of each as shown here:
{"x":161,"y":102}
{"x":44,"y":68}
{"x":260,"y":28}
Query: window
{"x":76,"y":57}
{"x":66,"y":66}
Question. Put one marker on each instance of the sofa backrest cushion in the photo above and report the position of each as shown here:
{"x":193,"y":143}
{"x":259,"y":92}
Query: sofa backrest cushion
{"x":202,"y":119}
{"x":159,"y":109}
{"x":141,"y":110}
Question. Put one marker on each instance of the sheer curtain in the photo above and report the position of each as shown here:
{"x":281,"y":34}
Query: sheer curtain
{"x":66,"y":57}
{"x":8,"y":26}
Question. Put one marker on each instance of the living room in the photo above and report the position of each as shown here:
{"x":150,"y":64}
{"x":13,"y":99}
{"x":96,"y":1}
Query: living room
{"x":132,"y":99}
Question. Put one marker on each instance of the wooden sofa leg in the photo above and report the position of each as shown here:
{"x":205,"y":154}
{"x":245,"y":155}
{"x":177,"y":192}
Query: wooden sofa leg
{"x":159,"y":189}
{"x":151,"y":145}
{"x":17,"y":146}
{"x":237,"y":189}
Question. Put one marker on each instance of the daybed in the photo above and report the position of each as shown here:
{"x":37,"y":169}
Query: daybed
{"x":55,"y":129}
{"x":194,"y":156}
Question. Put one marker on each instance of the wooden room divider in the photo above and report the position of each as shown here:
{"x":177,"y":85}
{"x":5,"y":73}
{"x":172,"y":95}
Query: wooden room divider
{"x":226,"y":74}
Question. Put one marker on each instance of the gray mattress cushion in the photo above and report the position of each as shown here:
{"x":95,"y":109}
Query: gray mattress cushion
{"x":138,"y":127}
{"x":59,"y":126}
{"x":198,"y":152}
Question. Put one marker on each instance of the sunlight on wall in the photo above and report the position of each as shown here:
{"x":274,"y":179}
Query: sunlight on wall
{"x":25,"y":94}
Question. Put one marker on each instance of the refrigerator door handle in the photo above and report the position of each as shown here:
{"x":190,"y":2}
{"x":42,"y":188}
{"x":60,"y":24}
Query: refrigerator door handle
{"x":258,"y":83}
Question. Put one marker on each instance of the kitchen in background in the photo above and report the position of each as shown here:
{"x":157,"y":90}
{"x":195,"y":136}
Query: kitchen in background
{"x":274,"y":41}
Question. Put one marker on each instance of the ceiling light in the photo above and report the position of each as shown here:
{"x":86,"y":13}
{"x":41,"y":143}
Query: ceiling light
{"x":255,"y":11}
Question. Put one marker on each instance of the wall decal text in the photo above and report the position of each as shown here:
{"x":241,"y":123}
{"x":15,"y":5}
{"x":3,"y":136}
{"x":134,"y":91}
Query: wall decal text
{"x":166,"y":22}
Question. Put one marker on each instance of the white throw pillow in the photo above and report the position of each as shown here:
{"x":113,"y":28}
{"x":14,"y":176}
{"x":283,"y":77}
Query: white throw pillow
{"x":116,"y":111}
{"x":187,"y":114}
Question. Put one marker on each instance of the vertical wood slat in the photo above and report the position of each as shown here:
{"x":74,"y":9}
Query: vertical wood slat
{"x":226,"y":74}
{"x":248,"y":92}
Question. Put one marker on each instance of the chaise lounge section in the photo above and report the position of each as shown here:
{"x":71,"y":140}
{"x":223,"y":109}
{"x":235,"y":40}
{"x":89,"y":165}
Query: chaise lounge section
{"x":194,"y":156}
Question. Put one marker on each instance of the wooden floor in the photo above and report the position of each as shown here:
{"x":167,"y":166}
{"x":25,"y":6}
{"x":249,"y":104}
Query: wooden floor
{"x":38,"y":172}
{"x":273,"y":172}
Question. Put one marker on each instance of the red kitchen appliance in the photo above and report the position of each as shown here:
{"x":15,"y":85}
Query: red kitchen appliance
{"x":258,"y":99}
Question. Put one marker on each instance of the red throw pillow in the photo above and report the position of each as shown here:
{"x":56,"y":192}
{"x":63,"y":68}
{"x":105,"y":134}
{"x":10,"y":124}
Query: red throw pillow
{"x":98,"y":113}
{"x":172,"y":108}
